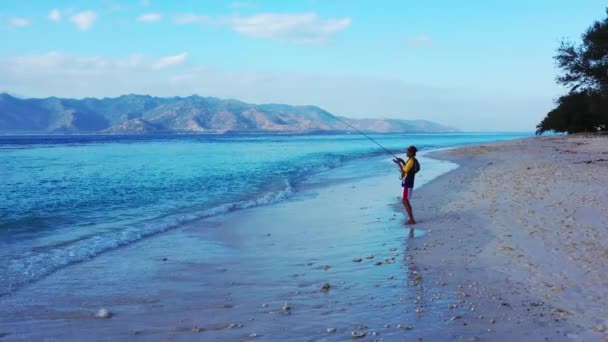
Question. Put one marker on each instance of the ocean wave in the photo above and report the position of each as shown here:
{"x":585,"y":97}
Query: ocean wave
{"x":42,"y":262}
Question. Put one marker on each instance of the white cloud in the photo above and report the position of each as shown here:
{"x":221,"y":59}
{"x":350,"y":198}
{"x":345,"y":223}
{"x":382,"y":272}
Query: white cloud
{"x":170,"y":61}
{"x":133,"y":61}
{"x":84,"y":20}
{"x":18,"y":22}
{"x":190,"y":18}
{"x":302,"y":28}
{"x":305,"y":28}
{"x":46,"y":63}
{"x":149,"y":17}
{"x":420,"y":40}
{"x":55,"y":15}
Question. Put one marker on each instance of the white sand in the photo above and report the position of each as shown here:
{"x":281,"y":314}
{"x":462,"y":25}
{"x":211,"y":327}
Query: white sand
{"x":527,"y":221}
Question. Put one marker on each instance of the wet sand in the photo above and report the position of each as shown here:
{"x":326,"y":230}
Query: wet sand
{"x":511,"y":245}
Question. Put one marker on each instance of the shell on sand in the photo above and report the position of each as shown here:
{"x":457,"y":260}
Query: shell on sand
{"x":599,"y":328}
{"x":404,"y":327}
{"x":358,"y":334}
{"x":103,"y":313}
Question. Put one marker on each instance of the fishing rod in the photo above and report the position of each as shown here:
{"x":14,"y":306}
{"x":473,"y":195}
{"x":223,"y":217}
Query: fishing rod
{"x":367,"y":136}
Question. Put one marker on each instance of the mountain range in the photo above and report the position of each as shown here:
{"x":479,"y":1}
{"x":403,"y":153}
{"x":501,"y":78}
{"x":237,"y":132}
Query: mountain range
{"x":192,"y":114}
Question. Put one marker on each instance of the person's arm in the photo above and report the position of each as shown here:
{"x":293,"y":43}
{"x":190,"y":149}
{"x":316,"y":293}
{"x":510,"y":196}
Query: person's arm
{"x":400,"y":163}
{"x":408,"y":166}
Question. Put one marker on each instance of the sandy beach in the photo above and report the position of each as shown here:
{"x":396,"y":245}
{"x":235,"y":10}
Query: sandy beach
{"x":522,"y":231}
{"x":509,"y":246}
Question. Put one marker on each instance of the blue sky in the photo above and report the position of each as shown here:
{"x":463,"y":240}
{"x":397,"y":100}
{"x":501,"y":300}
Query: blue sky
{"x":476,"y":65}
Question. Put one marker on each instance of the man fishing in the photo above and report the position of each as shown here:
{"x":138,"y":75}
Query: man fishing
{"x":408,"y":172}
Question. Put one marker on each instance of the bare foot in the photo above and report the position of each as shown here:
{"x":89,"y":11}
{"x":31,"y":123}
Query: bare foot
{"x":410,"y":222}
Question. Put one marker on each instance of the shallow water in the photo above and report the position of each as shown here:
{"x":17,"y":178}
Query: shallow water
{"x":67,"y":199}
{"x":243,"y":267}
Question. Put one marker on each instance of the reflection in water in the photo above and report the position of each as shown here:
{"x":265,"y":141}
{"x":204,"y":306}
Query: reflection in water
{"x":416,"y":232}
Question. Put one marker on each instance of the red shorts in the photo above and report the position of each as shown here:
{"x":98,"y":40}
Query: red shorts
{"x":407,"y":193}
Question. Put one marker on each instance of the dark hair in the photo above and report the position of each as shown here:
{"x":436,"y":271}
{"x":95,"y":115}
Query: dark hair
{"x":413,"y":149}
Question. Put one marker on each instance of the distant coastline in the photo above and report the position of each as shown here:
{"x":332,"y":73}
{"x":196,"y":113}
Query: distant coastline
{"x":144,"y":114}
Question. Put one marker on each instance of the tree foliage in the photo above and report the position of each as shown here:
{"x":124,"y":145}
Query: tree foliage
{"x":585,"y":72}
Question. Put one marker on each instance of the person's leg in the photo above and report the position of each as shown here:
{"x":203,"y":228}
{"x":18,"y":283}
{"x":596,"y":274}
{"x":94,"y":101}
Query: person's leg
{"x":408,"y":207}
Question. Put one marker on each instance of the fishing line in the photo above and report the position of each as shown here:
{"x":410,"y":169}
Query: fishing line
{"x":367,"y":136}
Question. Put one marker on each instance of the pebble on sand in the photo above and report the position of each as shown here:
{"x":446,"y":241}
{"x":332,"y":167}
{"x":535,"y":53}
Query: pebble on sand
{"x":103,"y":313}
{"x":404,"y":327}
{"x":599,"y":328}
{"x":358,"y":334}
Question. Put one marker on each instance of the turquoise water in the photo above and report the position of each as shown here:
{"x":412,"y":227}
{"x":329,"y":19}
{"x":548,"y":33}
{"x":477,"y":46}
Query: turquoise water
{"x":66,"y":199}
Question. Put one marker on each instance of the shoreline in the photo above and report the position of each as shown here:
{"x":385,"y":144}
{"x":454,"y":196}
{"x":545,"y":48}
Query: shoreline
{"x":460,"y":278}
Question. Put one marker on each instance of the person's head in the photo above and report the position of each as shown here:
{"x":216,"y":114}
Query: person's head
{"x":411,"y":151}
